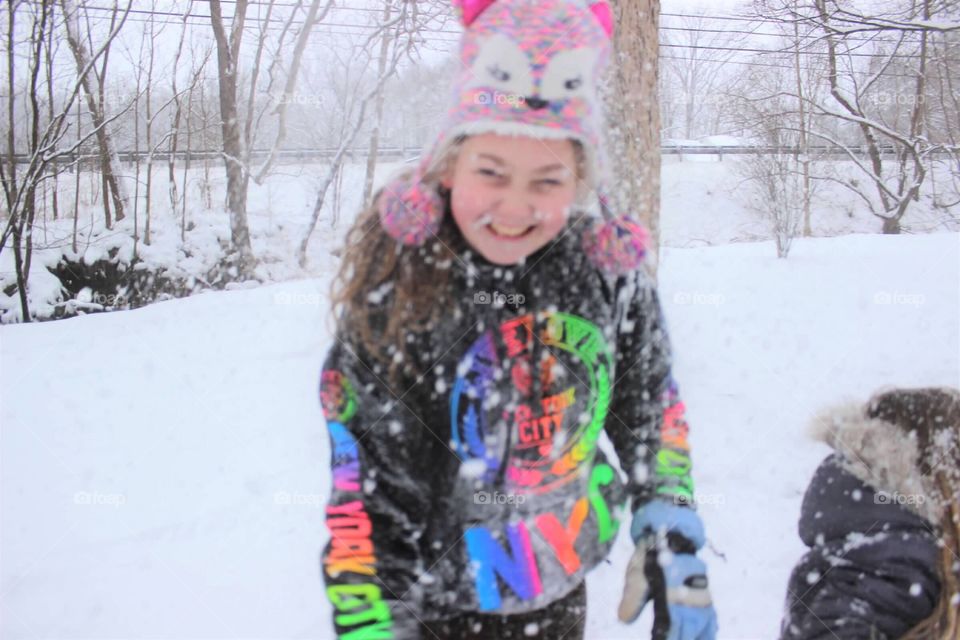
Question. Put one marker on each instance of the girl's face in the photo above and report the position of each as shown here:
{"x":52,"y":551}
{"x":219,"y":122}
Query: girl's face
{"x":511,"y":195}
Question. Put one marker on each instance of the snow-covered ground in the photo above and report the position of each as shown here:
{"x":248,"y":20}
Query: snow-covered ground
{"x":164,"y":469}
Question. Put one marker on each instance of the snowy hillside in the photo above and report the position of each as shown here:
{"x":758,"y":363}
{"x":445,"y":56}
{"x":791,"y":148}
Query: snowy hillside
{"x":164,"y":469}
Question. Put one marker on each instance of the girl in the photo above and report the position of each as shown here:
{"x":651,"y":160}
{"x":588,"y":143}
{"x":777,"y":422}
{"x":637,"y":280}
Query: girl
{"x":882,"y":519}
{"x":489,"y":331}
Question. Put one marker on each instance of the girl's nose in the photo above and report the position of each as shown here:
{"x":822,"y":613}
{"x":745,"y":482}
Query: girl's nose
{"x":515,"y":209}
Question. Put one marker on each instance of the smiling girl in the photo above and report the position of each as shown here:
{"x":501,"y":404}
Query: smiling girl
{"x":496,"y":335}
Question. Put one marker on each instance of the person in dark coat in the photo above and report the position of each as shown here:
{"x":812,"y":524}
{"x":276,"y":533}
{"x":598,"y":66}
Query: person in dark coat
{"x":881,"y":517}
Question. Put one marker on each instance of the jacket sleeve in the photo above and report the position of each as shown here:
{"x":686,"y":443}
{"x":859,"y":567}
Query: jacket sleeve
{"x":646,"y":422}
{"x":372,"y":561}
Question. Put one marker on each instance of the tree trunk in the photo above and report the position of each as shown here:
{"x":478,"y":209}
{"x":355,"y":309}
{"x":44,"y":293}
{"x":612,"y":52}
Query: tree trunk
{"x":186,"y":169}
{"x":635,"y":115}
{"x":76,"y":188}
{"x":11,"y":179}
{"x":50,"y":102}
{"x":378,"y":114}
{"x":237,"y":174}
{"x":802,"y":142}
{"x":148,"y":135}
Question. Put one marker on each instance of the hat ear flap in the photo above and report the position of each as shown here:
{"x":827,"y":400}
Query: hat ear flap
{"x":616,"y":244}
{"x":604,"y":16}
{"x":410,"y":210}
{"x":470,"y":9}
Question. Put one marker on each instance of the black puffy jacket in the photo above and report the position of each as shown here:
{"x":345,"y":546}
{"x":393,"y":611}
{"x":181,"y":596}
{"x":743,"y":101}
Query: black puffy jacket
{"x":871,"y":572}
{"x":482,"y":487}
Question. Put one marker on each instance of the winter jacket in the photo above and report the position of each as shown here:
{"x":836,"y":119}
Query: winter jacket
{"x":483,"y":487}
{"x":872,"y":569}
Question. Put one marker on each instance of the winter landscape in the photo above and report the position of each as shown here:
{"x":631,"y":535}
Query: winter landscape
{"x":164,"y":460}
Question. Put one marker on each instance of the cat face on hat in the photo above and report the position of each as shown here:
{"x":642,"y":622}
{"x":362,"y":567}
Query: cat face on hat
{"x":530,"y":68}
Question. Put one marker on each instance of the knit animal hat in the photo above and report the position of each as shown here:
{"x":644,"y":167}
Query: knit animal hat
{"x":528,"y":68}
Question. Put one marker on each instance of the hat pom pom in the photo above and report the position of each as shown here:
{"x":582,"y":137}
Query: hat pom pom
{"x":410,"y":211}
{"x":617,"y":245}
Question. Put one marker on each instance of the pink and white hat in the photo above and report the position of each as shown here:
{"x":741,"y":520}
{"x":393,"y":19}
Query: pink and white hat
{"x":528,"y":68}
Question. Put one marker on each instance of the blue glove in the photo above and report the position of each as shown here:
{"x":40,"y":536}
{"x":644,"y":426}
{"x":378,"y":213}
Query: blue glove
{"x":665,"y":569}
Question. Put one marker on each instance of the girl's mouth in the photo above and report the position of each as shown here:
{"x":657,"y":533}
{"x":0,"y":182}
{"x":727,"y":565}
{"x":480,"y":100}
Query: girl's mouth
{"x":510,"y":233}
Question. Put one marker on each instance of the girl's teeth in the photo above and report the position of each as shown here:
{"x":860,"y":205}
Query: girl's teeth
{"x":509,"y":231}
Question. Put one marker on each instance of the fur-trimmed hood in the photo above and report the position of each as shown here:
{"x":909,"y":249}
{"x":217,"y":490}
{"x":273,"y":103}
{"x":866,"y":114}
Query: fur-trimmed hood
{"x":880,"y":454}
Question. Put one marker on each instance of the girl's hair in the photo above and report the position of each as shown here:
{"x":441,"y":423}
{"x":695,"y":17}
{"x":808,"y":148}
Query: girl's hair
{"x":933,"y":415}
{"x":414,"y":281}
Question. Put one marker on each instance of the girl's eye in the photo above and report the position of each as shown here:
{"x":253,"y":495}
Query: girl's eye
{"x":489,"y":172}
{"x":549,"y":183}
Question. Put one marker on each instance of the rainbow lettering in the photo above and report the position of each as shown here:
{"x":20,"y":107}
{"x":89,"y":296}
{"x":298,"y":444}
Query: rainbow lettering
{"x":673,"y":467}
{"x":518,"y":568}
{"x":358,"y":604}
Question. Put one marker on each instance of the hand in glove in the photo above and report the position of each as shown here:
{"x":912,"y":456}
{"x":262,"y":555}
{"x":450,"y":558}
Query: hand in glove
{"x":665,"y":569}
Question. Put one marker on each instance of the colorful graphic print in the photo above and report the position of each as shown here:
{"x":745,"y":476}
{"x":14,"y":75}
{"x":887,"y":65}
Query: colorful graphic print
{"x":552,"y":444}
{"x":673,"y":465}
{"x":358,"y":605}
{"x":337,"y":397}
{"x":519,"y":567}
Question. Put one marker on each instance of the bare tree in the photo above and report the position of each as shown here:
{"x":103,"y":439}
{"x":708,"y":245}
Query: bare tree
{"x":176,"y":113}
{"x":143,"y":62}
{"x":378,"y":109}
{"x":206,"y":191}
{"x":44,"y":144}
{"x":777,"y":193}
{"x":313,"y":16}
{"x":51,"y":52}
{"x":778,"y":181}
{"x":237,"y":137}
{"x":803,"y":140}
{"x":854,"y":94}
{"x":783,"y":97}
{"x":943,"y":118}
{"x":93,"y":87}
{"x":694,"y":71}
{"x":404,"y":26}
{"x":228,"y":52}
